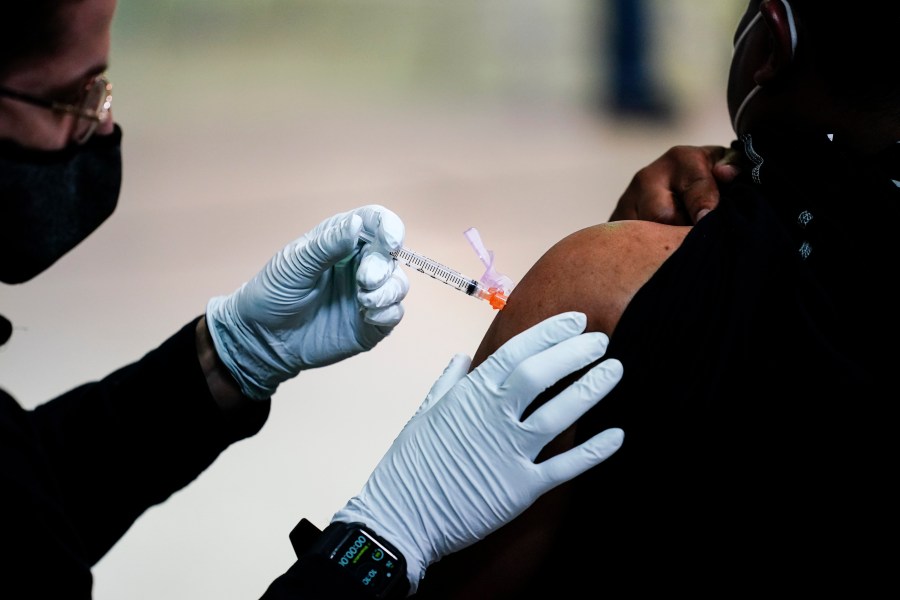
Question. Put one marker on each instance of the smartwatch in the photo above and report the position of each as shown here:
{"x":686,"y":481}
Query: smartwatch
{"x":374,"y":563}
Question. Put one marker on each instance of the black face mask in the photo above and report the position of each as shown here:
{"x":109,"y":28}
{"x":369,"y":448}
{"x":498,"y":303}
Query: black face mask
{"x":51,"y":200}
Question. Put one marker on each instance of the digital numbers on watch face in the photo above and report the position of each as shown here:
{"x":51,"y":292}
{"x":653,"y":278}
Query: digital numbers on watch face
{"x":369,"y":562}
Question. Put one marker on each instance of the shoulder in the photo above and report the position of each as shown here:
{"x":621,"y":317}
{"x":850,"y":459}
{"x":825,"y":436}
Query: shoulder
{"x":595,"y":270}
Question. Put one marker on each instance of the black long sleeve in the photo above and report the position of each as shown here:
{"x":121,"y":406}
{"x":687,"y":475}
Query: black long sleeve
{"x":77,"y":471}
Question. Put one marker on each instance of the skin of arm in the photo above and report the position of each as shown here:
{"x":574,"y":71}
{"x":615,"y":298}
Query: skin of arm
{"x":596,"y":270}
{"x":223,"y":387}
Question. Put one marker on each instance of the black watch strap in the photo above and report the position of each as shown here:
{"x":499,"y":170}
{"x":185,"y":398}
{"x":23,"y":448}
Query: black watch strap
{"x":374,"y":563}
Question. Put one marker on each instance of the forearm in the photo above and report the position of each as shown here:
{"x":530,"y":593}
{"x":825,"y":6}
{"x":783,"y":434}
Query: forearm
{"x":130,"y":440}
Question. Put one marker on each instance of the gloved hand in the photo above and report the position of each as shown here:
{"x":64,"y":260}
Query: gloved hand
{"x":320,"y":300}
{"x":463,"y":466}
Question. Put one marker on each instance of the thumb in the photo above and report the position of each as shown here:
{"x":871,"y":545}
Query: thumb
{"x":326,"y":247}
{"x":453,"y":373}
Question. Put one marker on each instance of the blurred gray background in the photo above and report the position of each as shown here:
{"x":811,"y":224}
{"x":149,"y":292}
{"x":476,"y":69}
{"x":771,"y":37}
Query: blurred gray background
{"x":246,"y":124}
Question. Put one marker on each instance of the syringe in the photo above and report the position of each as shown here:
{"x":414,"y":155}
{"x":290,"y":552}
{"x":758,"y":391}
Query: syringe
{"x":472,"y":287}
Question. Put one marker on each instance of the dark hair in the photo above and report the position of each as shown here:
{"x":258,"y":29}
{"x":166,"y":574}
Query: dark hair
{"x":855,"y":46}
{"x":30,"y":29}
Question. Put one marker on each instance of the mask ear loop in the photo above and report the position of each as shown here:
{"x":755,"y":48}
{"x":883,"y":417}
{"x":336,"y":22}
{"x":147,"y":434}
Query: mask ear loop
{"x":792,"y":28}
{"x":740,"y":110}
{"x":775,"y":15}
{"x":744,"y":33}
{"x":755,"y":90}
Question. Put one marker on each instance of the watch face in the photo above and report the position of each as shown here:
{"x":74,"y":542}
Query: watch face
{"x":368,"y":561}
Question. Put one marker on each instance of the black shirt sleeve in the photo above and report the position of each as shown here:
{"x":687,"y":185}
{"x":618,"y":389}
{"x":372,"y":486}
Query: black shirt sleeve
{"x":77,"y":471}
{"x":127,"y":442}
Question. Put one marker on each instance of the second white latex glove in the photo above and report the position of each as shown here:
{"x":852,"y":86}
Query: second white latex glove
{"x":320,"y":300}
{"x":463,"y":466}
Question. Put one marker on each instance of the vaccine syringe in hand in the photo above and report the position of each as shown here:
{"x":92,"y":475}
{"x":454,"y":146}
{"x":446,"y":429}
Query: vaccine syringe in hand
{"x":492,"y":287}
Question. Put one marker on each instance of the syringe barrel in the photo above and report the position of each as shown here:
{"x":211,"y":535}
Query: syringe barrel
{"x":472,"y":287}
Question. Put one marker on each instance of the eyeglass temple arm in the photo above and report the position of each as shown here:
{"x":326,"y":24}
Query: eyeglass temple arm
{"x":57,"y":106}
{"x":5,"y":91}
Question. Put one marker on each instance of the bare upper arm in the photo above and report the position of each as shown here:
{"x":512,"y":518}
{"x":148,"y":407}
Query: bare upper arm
{"x":596,"y":270}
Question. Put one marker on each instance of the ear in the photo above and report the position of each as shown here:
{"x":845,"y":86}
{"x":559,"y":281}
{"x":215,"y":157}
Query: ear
{"x":779,"y":20}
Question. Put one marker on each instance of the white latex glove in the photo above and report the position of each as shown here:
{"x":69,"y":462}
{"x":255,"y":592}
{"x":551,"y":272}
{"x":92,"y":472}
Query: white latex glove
{"x":320,"y":300}
{"x":463,"y":466}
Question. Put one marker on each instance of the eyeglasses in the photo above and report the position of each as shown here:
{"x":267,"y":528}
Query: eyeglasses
{"x":90,"y":111}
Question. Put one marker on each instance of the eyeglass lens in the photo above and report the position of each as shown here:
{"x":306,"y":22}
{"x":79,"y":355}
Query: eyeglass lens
{"x":97,"y":100}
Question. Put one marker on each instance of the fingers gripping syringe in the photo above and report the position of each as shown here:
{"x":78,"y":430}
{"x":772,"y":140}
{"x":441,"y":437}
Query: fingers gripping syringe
{"x":496,"y":296}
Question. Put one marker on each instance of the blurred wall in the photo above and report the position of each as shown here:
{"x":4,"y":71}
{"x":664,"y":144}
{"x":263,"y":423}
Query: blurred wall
{"x":274,"y":56}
